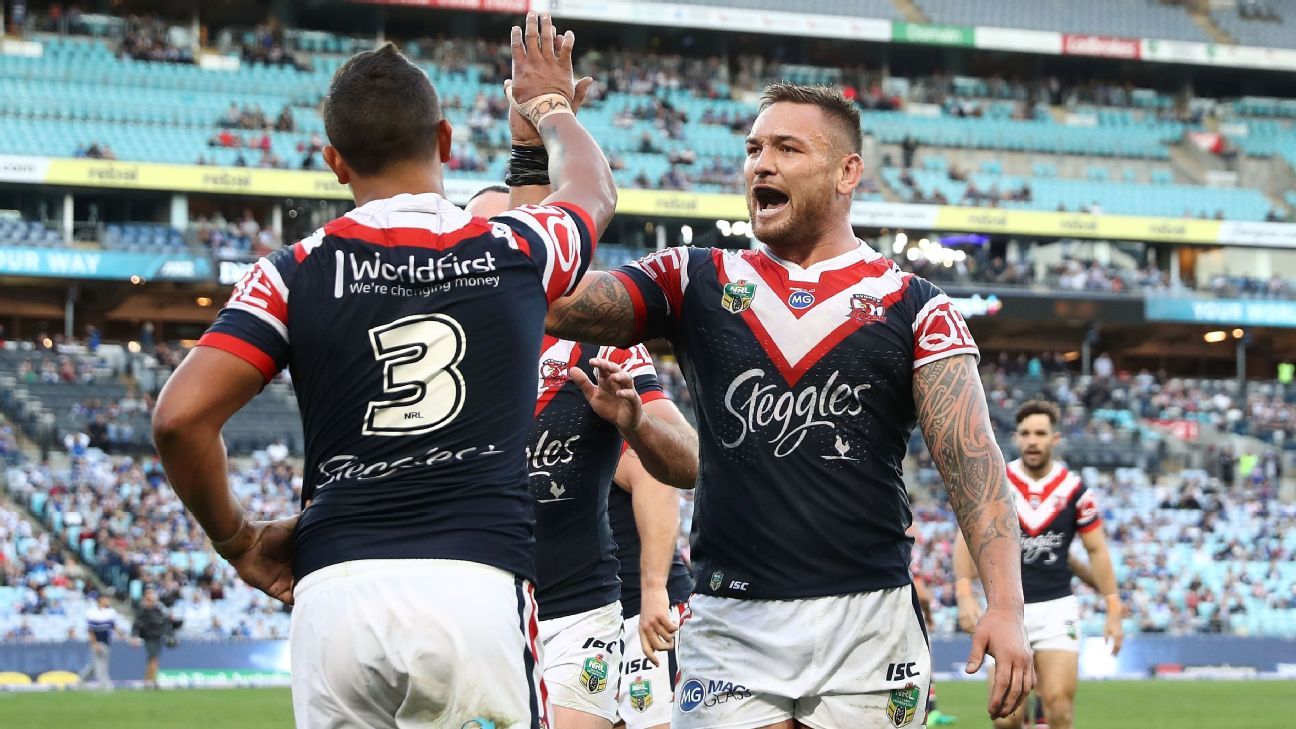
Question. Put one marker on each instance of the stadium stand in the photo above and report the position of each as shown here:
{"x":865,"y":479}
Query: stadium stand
{"x":1258,"y":22}
{"x":1136,"y":18}
{"x":851,"y":8}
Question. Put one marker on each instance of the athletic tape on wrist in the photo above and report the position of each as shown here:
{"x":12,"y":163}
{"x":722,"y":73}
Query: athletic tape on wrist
{"x":542,"y":107}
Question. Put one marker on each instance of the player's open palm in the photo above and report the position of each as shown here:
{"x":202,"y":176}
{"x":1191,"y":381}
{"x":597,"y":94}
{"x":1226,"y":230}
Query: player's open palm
{"x":614,"y":398}
{"x":657,"y":624}
{"x":1001,"y":634}
{"x":542,"y":66}
{"x":266,"y":561}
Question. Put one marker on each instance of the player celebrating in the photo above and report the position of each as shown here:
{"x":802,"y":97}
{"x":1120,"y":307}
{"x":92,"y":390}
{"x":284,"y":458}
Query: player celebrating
{"x":1053,"y":505}
{"x":573,"y":454}
{"x":811,"y":359}
{"x":402,"y":324}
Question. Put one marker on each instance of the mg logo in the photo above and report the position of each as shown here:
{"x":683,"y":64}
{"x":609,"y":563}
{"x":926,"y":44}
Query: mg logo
{"x":801,"y":300}
{"x":691,"y":695}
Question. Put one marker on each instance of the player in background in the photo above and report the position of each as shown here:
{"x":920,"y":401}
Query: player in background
{"x":811,"y":358}
{"x":1054,"y":506}
{"x":573,"y":452}
{"x":655,"y":587}
{"x":403,"y":324}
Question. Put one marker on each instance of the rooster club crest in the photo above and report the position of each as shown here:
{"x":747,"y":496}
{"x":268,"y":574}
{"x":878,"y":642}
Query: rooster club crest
{"x":737,"y":297}
{"x":867,"y":309}
{"x":553,"y":372}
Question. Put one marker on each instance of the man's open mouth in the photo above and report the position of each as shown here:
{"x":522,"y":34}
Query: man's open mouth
{"x":769,"y":201}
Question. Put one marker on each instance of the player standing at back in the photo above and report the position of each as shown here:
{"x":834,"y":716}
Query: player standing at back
{"x":1053,"y":505}
{"x":810,"y":360}
{"x":403,"y":324}
{"x":572,"y":456}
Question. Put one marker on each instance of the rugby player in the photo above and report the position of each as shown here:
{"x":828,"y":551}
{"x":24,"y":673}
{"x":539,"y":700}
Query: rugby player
{"x":1054,"y":506}
{"x":811,"y":358}
{"x":402,"y":324}
{"x":572,"y":456}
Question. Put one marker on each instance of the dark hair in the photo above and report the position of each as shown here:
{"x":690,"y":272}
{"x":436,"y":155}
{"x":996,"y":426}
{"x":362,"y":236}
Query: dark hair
{"x":828,"y":98}
{"x":1039,"y":407}
{"x":489,"y":188}
{"x":381,"y":109}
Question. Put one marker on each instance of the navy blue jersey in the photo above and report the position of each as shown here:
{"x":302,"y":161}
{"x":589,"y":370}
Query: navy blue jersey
{"x":803,"y":383}
{"x":679,"y":582}
{"x":402,"y":325}
{"x":572,"y":456}
{"x":1052,"y":510}
{"x":101,"y":622}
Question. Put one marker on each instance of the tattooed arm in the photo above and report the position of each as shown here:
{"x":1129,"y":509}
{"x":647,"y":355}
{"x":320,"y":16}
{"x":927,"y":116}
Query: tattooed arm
{"x":955,"y":421}
{"x":599,"y":311}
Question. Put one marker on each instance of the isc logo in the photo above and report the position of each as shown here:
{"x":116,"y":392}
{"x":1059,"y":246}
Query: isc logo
{"x":902,"y":671}
{"x":801,"y":299}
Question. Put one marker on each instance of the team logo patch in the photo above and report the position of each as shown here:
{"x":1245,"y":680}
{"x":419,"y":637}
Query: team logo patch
{"x":554,"y":372}
{"x":594,"y":676}
{"x":903,"y":705}
{"x":716,"y":578}
{"x":801,"y":299}
{"x":640,"y":694}
{"x":738,"y":297}
{"x":867,"y":309}
{"x":691,"y":695}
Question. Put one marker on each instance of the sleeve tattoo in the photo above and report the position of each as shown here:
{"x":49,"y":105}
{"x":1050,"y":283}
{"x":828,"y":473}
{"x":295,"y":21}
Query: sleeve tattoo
{"x":600,"y":312}
{"x":955,"y":422}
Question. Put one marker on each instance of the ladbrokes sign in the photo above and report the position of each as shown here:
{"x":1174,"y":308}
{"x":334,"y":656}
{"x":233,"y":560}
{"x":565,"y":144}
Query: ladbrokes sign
{"x":1102,"y":46}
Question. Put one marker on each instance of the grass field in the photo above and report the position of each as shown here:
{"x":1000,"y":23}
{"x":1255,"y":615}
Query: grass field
{"x":1101,"y":705}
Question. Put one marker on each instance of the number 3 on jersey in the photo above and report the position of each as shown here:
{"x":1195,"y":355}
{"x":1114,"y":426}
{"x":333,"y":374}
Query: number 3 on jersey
{"x":418,"y":354}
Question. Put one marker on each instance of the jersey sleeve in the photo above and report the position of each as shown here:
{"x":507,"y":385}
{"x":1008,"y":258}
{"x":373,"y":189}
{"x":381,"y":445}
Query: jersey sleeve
{"x":939,"y":330}
{"x":559,"y":240}
{"x":1088,"y":516}
{"x":639,"y":365}
{"x":656,"y":284}
{"x":253,"y":325}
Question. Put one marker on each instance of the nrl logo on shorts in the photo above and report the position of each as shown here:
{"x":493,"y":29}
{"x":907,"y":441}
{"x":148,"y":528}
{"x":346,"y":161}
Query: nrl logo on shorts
{"x":595,"y":673}
{"x":553,"y":372}
{"x":640,"y":694}
{"x":716,"y":578}
{"x":737,"y":297}
{"x":903,"y":705}
{"x":867,"y":309}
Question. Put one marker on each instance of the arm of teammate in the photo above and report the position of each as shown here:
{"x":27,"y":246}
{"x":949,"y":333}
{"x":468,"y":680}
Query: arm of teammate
{"x":667,"y":445}
{"x":205,"y":391}
{"x":965,"y":572}
{"x":1105,"y":577}
{"x":1082,"y":569}
{"x":543,"y":91}
{"x":955,"y":421}
{"x":656,"y":510}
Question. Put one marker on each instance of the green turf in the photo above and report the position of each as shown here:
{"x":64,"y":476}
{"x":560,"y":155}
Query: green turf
{"x":1100,"y":705}
{"x":1150,"y":704}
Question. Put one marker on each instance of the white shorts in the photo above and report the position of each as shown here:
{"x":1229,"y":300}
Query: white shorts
{"x":1054,"y":625}
{"x":858,"y":661}
{"x":415,"y":643}
{"x":647,"y":691}
{"x":582,"y":663}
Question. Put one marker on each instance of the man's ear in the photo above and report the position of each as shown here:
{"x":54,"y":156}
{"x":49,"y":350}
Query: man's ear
{"x":852,"y":171}
{"x":444,"y":134}
{"x":334,"y":160}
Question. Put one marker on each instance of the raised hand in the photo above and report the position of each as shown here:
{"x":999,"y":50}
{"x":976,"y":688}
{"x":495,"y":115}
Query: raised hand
{"x":614,"y":398}
{"x":542,"y":69}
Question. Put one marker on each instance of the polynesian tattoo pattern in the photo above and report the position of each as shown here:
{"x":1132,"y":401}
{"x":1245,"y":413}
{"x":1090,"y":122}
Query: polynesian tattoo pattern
{"x":955,"y":421}
{"x":600,"y":312}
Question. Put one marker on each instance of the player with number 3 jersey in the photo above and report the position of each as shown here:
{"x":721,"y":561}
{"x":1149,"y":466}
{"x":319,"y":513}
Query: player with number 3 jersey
{"x":402,"y":324}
